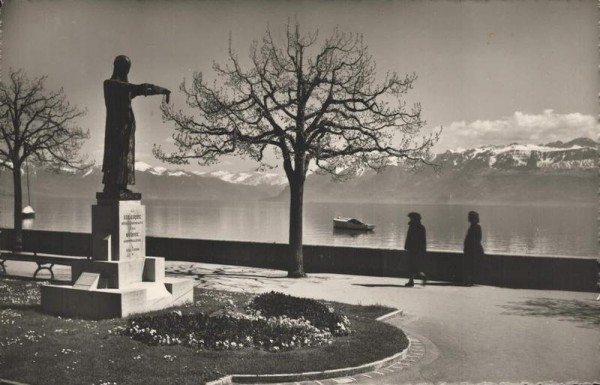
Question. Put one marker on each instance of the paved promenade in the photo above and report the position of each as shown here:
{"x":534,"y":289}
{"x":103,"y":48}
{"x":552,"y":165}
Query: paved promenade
{"x":469,"y":334}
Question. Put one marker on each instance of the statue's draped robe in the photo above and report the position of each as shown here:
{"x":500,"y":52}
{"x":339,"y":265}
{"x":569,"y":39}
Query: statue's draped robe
{"x":119,"y":136}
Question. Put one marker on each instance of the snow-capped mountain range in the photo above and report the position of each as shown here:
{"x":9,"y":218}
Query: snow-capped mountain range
{"x":552,"y":173}
{"x":527,"y":172}
{"x":250,"y":178}
{"x":577,"y":154}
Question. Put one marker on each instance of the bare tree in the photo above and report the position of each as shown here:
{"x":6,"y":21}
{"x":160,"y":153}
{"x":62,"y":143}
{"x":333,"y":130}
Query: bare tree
{"x":319,"y":104}
{"x":35,"y":124}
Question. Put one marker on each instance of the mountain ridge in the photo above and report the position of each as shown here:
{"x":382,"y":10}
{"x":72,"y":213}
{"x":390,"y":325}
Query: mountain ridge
{"x":555,"y":171}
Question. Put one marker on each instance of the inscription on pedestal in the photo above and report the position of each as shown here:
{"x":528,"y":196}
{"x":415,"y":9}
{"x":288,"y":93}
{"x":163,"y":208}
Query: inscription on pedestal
{"x":132,"y":232}
{"x":118,"y":230}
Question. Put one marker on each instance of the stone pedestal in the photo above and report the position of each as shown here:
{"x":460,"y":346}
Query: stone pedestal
{"x":118,"y":230}
{"x":119,"y":279}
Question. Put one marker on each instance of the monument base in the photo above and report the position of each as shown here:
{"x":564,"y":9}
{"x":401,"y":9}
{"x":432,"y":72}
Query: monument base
{"x":96,"y":304}
{"x":109,"y":289}
{"x":119,"y":280}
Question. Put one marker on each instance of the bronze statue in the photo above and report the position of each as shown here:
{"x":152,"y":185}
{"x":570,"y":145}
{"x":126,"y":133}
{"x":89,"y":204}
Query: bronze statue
{"x":119,"y":137}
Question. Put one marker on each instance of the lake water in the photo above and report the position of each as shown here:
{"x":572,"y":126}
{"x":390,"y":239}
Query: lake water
{"x":542,"y":230}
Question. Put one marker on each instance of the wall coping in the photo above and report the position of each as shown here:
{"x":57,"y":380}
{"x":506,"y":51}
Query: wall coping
{"x":433,"y":251}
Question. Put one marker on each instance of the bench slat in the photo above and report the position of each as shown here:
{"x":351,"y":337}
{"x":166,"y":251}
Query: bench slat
{"x":35,"y":257}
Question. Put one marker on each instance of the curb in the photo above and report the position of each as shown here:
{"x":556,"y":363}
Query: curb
{"x":391,"y":314}
{"x":318,"y":375}
{"x":7,"y":382}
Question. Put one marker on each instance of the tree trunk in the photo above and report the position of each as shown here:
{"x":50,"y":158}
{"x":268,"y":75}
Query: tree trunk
{"x":18,"y":207}
{"x":295,"y":240}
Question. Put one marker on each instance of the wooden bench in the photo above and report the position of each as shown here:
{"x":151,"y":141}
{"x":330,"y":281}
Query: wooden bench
{"x":43,"y":261}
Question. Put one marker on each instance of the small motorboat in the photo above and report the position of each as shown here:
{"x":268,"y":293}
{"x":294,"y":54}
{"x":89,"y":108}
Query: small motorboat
{"x":28,"y":212}
{"x":351,"y":224}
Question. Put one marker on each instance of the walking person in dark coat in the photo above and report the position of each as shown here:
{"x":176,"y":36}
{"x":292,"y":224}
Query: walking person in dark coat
{"x":415,"y":246}
{"x":473,"y":250}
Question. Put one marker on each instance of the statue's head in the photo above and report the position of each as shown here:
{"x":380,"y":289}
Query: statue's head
{"x":122,"y":64}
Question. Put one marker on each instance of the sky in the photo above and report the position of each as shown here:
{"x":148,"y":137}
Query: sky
{"x":493,"y":72}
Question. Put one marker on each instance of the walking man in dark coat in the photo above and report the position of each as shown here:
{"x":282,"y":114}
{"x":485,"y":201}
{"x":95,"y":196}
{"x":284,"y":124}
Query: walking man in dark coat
{"x":473,"y":250}
{"x":415,"y":246}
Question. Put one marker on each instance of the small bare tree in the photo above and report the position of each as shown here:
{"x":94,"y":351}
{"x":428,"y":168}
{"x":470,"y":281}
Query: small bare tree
{"x":35,"y":124}
{"x":319,"y":104}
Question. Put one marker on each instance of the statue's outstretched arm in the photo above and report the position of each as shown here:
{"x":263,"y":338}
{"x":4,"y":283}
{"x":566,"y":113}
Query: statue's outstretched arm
{"x":151,"y":89}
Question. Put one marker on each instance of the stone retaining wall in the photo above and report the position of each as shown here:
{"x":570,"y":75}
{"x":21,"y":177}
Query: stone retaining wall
{"x":513,"y":271}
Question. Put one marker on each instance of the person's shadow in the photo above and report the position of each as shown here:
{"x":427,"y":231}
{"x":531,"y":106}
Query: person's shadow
{"x":377,"y":285}
{"x":416,"y":284}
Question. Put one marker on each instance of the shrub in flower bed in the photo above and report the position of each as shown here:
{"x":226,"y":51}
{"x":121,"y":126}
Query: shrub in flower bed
{"x":229,"y":330}
{"x":276,"y":304}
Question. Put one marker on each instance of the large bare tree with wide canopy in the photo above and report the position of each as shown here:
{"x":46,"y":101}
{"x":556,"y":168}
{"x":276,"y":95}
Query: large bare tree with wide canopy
{"x":37,"y":125}
{"x":315,"y":104}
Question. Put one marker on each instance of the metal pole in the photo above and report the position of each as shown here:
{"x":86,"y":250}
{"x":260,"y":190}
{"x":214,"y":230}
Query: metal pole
{"x":28,"y":194}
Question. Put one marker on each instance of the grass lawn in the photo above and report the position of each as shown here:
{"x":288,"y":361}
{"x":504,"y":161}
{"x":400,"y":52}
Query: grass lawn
{"x":36,"y":348}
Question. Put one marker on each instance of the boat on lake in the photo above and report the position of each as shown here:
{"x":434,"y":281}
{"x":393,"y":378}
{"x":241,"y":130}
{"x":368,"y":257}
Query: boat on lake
{"x":351,"y":224}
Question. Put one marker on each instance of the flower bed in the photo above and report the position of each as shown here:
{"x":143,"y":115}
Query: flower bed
{"x":275,"y":304}
{"x":272,"y":321}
